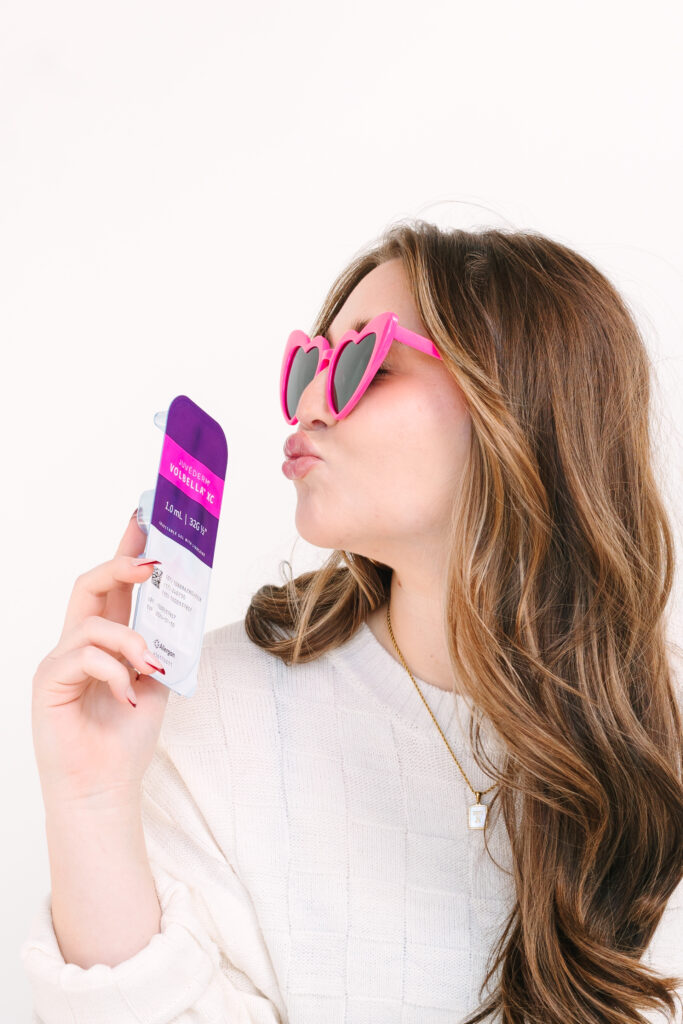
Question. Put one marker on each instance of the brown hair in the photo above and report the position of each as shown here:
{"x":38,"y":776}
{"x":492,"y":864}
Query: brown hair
{"x":560,"y":565}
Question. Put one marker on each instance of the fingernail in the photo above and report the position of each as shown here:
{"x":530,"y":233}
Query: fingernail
{"x":130,"y":694}
{"x":157,"y":668}
{"x":141,"y":561}
{"x":149,"y":658}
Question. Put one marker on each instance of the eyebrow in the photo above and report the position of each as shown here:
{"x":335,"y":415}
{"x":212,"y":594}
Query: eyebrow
{"x":357,"y":326}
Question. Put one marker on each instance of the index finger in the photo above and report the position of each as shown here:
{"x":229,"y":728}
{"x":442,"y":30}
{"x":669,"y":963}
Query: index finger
{"x":107,"y":589}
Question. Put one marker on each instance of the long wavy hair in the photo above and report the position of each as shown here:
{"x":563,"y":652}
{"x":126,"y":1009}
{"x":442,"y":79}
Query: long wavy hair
{"x":560,"y":566}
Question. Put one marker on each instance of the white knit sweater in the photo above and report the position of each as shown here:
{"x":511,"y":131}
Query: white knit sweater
{"x":307,"y":832}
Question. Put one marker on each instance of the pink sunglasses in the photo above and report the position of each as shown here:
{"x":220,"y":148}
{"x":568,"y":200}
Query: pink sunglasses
{"x":353,"y":362}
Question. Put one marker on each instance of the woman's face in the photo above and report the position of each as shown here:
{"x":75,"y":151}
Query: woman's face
{"x":391,"y":468}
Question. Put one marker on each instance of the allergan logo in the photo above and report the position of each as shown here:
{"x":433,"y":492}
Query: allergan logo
{"x":160,"y":647}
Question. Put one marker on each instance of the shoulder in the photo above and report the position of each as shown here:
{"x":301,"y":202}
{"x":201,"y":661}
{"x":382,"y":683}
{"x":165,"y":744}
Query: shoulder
{"x":230,"y":656}
{"x":229,"y":634}
{"x":230,"y":665}
{"x":241,"y":688}
{"x":665,"y":950}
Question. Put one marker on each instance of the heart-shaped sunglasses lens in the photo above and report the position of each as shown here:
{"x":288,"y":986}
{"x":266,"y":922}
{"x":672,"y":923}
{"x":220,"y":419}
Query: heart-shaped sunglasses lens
{"x":301,"y":373}
{"x":352,"y":363}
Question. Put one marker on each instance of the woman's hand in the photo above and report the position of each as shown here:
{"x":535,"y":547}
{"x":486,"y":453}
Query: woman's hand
{"x":91,"y":744}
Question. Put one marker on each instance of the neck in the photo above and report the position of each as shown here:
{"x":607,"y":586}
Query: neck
{"x":416,"y":616}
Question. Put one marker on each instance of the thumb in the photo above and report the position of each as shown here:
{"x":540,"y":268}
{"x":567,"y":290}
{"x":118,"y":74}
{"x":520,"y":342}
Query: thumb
{"x":119,"y":600}
{"x":134,"y":539}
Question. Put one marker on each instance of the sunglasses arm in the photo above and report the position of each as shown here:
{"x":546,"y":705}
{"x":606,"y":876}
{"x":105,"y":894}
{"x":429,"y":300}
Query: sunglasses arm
{"x":417,"y":341}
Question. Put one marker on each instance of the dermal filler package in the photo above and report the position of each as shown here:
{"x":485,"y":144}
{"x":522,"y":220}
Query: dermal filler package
{"x":180,"y":517}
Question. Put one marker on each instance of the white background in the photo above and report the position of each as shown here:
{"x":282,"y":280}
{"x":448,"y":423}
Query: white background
{"x":180,"y":184}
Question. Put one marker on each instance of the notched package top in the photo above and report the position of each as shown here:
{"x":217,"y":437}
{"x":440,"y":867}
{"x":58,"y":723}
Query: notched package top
{"x":181,"y":518}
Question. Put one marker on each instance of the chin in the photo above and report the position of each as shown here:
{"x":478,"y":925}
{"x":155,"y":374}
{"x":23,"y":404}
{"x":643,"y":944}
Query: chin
{"x":318,"y":536}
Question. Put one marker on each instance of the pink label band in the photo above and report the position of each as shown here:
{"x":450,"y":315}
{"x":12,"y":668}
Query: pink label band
{"x":191,"y":476}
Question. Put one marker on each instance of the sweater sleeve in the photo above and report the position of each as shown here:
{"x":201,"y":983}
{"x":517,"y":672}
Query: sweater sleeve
{"x":196,"y":969}
{"x":208,"y":963}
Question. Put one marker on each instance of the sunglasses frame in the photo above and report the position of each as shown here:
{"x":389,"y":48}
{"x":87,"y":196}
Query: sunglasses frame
{"x":387,"y":330}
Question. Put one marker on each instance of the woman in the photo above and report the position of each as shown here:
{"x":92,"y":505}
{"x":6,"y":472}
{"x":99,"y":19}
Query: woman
{"x":320,"y":834}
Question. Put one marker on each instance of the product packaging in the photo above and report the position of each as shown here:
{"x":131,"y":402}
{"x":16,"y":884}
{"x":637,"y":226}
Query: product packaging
{"x":180,"y":517}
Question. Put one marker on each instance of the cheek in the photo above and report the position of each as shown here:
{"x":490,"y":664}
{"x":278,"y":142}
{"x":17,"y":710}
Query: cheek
{"x":412,"y":451}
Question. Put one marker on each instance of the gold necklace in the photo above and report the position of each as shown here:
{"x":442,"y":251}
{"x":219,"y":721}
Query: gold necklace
{"x":477,"y":811}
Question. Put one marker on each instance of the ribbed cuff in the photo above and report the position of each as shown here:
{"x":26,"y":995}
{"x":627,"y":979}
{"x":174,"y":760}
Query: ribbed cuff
{"x":165,"y":978}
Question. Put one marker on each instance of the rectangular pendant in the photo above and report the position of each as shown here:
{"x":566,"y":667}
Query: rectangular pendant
{"x":477,"y":816}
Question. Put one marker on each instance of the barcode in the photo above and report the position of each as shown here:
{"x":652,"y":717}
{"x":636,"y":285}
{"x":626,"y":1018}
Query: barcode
{"x":156,"y":576}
